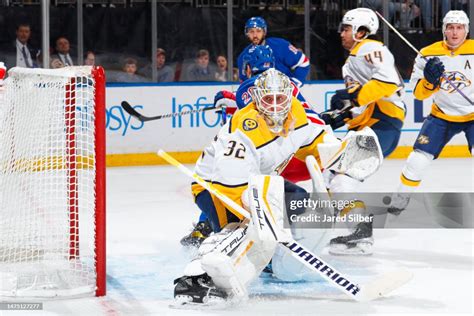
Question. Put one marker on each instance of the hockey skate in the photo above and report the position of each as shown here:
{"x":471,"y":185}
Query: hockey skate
{"x":398,"y":203}
{"x":201,"y":231}
{"x":198,"y":290}
{"x":359,"y":243}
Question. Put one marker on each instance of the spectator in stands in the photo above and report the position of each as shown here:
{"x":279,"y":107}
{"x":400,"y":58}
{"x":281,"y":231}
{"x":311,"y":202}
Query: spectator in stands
{"x":130,"y":72}
{"x":409,"y":10}
{"x":164,"y":73}
{"x":56,"y":63}
{"x":62,"y":53}
{"x":20,"y":53}
{"x":221,"y":73}
{"x":89,"y":59}
{"x":201,"y":70}
{"x":426,"y":7}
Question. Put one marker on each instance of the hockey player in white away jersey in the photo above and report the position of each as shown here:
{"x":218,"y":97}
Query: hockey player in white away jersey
{"x":375,"y":91}
{"x":451,"y":113}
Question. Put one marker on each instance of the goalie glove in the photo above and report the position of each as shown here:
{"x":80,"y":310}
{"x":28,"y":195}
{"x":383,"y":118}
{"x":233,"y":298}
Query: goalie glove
{"x":342,"y":97}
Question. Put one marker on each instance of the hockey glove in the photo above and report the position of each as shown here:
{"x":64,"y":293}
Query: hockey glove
{"x":335,"y":120}
{"x":223,"y":97}
{"x":339,"y":100}
{"x":434,"y":68}
{"x":226,"y":100}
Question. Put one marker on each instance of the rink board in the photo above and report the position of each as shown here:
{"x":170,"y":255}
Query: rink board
{"x":130,"y":142}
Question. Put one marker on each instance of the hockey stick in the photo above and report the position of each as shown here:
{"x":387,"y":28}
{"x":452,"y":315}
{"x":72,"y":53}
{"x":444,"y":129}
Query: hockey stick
{"x":368,"y":292}
{"x":130,"y":110}
{"x":424,"y":58}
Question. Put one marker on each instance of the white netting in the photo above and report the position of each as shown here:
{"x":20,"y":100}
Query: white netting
{"x":47,"y":182}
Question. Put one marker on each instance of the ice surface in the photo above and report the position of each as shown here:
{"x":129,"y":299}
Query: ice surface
{"x":151,"y":208}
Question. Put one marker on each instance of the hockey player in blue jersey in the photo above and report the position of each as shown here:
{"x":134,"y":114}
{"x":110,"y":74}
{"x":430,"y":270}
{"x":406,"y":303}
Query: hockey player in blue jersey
{"x":288,"y":59}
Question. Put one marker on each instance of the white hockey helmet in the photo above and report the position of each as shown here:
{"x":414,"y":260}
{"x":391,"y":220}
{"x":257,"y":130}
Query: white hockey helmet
{"x":456,"y":17}
{"x":360,"y":17}
{"x":272,"y":94}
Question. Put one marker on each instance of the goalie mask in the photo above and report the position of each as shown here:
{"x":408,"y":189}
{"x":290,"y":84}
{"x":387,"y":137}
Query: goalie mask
{"x":272,"y":94}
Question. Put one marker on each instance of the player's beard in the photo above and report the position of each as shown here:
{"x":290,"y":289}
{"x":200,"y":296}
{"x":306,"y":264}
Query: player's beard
{"x":257,"y":41}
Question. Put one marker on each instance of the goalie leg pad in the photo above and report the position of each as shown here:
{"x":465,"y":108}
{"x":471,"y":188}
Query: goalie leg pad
{"x":240,"y":256}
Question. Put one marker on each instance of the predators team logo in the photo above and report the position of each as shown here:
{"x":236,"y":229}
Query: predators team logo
{"x":423,"y":140}
{"x":249,"y":124}
{"x":457,"y":78}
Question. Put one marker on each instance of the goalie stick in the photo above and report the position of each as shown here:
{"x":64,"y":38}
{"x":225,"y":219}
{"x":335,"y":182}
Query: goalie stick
{"x":130,"y":110}
{"x":375,"y":289}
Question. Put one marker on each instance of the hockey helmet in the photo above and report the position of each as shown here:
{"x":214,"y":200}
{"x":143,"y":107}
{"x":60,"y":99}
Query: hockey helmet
{"x":259,"y":58}
{"x":456,"y":17}
{"x":256,"y":22}
{"x":360,"y":17}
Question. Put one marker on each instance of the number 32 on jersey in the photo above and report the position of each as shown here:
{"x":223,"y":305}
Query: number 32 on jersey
{"x":235,"y":149}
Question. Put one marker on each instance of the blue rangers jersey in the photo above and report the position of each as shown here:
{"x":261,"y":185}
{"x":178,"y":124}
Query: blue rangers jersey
{"x":288,"y":59}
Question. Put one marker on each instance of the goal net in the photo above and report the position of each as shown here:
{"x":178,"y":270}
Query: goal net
{"x":52,"y":183}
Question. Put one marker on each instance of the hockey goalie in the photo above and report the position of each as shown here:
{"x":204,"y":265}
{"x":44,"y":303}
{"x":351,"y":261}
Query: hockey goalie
{"x":243,"y":163}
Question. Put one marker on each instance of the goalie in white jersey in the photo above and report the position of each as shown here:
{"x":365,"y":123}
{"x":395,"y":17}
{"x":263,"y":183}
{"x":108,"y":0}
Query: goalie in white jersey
{"x":373,"y":98}
{"x":451,"y":113}
{"x":260,"y":139}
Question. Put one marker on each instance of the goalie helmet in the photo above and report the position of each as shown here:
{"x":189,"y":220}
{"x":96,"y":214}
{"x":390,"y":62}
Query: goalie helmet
{"x":272,"y":94}
{"x":256,"y":22}
{"x":360,"y":17}
{"x":259,"y":58}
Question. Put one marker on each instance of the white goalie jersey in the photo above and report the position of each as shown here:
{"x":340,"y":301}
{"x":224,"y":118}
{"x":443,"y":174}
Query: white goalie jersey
{"x":245,"y":146}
